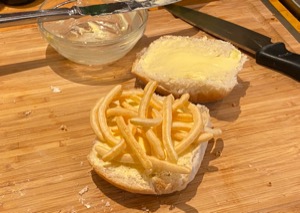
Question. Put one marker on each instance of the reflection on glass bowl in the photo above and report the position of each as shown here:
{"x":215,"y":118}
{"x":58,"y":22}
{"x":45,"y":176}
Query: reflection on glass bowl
{"x":93,"y":40}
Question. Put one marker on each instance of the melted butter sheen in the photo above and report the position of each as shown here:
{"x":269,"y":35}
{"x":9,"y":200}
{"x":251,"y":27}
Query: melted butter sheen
{"x":187,"y":63}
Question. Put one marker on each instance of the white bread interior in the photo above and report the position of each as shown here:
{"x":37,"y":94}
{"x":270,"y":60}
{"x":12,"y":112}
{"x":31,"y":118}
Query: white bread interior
{"x":205,"y":68}
{"x":134,"y":179}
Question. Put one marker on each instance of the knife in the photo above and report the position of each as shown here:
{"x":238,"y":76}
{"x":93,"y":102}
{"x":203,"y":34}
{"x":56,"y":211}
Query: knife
{"x":30,"y":17}
{"x":266,"y":53}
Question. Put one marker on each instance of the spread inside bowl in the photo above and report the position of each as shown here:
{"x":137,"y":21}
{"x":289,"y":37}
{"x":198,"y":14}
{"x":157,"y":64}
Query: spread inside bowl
{"x":92,"y":29}
{"x":93,"y":40}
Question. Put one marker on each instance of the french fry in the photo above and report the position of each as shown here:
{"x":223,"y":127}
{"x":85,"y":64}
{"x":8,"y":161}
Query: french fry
{"x":146,"y":122}
{"x":124,"y":158}
{"x":161,"y":165}
{"x":184,"y":117}
{"x":176,"y":125}
{"x":132,"y":102}
{"x":128,"y":106}
{"x":179,"y":135}
{"x":119,"y":111}
{"x":141,"y":138}
{"x":113,"y":94}
{"x":94,"y":120}
{"x":166,"y":130}
{"x":114,"y":130}
{"x":156,"y":102}
{"x":132,"y":128}
{"x":194,"y":132}
{"x":114,"y":152}
{"x":155,"y":143}
{"x":183,"y":100}
{"x":136,"y":98}
{"x":130,"y":92}
{"x":206,"y":136}
{"x":133,"y":144}
{"x":156,"y":114}
{"x":149,"y":90}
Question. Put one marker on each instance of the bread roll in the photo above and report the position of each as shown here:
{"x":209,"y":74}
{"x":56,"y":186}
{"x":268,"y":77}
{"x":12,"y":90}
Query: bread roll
{"x":126,"y":153}
{"x":136,"y":180}
{"x":126,"y":169}
{"x":205,"y":68}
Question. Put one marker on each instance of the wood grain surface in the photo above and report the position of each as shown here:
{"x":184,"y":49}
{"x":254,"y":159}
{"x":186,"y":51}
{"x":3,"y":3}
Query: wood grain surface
{"x":45,"y":136}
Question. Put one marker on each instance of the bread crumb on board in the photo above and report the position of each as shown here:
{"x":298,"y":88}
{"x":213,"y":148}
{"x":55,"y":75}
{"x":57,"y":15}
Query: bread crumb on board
{"x":81,"y":199}
{"x":145,"y":209}
{"x":84,"y":190}
{"x":55,"y":89}
{"x":87,"y":205}
{"x":63,"y":128}
{"x":27,"y":113}
{"x":83,"y":202}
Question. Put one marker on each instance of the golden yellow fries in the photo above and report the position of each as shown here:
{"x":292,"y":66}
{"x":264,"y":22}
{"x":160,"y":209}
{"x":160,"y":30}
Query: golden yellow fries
{"x":138,"y":127}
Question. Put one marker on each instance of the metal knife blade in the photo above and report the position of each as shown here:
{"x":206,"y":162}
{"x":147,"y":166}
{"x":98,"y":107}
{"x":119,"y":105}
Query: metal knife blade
{"x":272,"y":55}
{"x":29,"y":17}
{"x":122,"y":7}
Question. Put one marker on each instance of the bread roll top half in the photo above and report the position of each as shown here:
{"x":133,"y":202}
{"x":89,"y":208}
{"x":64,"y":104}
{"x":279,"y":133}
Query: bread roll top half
{"x":205,"y":68}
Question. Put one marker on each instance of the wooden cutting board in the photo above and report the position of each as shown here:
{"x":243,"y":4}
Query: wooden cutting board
{"x":45,"y":135}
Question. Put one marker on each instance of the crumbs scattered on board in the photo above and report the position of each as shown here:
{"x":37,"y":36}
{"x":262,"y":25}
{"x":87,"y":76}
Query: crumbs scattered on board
{"x":82,"y":200}
{"x":105,"y":206}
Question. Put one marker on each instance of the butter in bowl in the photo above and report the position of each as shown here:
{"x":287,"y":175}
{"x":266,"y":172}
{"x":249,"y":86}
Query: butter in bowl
{"x":93,"y":40}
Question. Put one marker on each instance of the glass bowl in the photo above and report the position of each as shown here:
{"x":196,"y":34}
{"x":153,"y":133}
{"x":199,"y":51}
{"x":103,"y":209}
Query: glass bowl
{"x":93,"y":40}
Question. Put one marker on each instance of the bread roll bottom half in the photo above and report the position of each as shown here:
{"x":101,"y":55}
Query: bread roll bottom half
{"x":134,"y":179}
{"x":132,"y":125}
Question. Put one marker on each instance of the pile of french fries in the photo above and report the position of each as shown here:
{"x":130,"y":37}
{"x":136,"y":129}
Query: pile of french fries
{"x":139,"y":127}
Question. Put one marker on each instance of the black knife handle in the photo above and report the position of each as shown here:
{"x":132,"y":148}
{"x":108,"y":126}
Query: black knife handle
{"x":277,"y":57}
